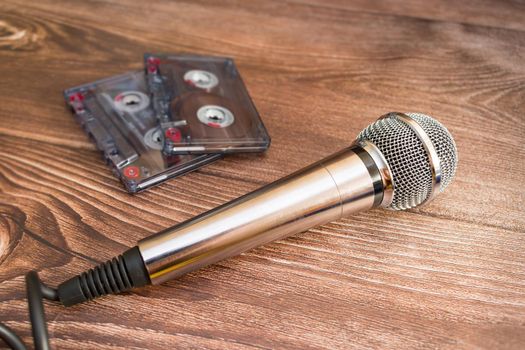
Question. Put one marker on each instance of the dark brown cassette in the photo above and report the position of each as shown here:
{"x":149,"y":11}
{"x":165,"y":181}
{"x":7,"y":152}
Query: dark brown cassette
{"x":203,"y":105}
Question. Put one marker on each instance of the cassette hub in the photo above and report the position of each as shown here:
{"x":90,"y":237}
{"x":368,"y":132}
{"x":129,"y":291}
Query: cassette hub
{"x":215,"y":116}
{"x":131,"y":101}
{"x":201,"y":79}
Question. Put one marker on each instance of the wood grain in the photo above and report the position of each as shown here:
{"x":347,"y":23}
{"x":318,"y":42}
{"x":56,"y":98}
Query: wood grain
{"x":447,"y":275}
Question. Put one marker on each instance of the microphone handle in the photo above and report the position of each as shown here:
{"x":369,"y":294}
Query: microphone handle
{"x":343,"y":183}
{"x":354,"y":179}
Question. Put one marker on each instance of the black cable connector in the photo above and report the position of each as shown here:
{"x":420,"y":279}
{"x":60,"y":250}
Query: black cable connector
{"x":117,"y":275}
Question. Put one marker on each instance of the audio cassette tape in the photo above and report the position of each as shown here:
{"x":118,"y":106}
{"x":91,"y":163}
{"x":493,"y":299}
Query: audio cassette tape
{"x":203,"y":105}
{"x":117,"y":114}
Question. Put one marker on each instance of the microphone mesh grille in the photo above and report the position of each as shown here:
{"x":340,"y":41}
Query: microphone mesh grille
{"x":444,"y":144}
{"x":408,"y":159}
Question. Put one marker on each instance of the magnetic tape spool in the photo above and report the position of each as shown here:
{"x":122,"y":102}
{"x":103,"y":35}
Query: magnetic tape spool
{"x":211,"y":118}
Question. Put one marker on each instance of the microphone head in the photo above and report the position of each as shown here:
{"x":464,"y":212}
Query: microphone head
{"x":420,"y":154}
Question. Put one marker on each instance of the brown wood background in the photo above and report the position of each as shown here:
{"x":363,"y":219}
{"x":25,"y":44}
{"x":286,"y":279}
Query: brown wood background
{"x":447,"y":275}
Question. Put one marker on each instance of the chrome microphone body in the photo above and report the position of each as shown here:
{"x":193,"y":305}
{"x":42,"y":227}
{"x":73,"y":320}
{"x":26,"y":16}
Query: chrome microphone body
{"x":398,"y":162}
{"x":339,"y":185}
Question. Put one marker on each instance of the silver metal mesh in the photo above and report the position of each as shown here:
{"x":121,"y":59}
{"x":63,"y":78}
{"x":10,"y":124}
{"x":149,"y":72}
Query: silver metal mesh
{"x":408,"y":159}
{"x":443,"y":143}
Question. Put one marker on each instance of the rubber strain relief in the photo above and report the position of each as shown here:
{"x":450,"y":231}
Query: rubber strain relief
{"x":117,"y":275}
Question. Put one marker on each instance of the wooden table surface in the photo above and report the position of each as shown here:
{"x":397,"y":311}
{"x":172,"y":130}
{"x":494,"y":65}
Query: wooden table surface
{"x":448,"y":275}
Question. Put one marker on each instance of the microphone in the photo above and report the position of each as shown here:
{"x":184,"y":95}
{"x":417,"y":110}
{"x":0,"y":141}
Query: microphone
{"x":400,"y":161}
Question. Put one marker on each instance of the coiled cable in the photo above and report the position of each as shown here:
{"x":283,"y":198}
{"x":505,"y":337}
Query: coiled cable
{"x":120,"y":274}
{"x":36,"y":292}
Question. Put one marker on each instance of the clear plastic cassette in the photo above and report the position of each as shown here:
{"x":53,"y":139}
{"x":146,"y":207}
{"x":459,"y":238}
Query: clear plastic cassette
{"x":117,"y":114}
{"x":203,"y":105}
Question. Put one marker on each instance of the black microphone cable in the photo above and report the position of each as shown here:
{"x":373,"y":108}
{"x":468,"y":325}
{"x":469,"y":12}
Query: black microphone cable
{"x":119,"y":274}
{"x":36,"y":292}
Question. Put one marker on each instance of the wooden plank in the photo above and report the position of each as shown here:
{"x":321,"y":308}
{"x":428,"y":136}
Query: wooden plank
{"x":446,"y":275}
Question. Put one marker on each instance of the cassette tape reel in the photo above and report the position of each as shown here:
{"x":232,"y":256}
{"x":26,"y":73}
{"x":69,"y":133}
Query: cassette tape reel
{"x":203,"y":105}
{"x":118,"y":115}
